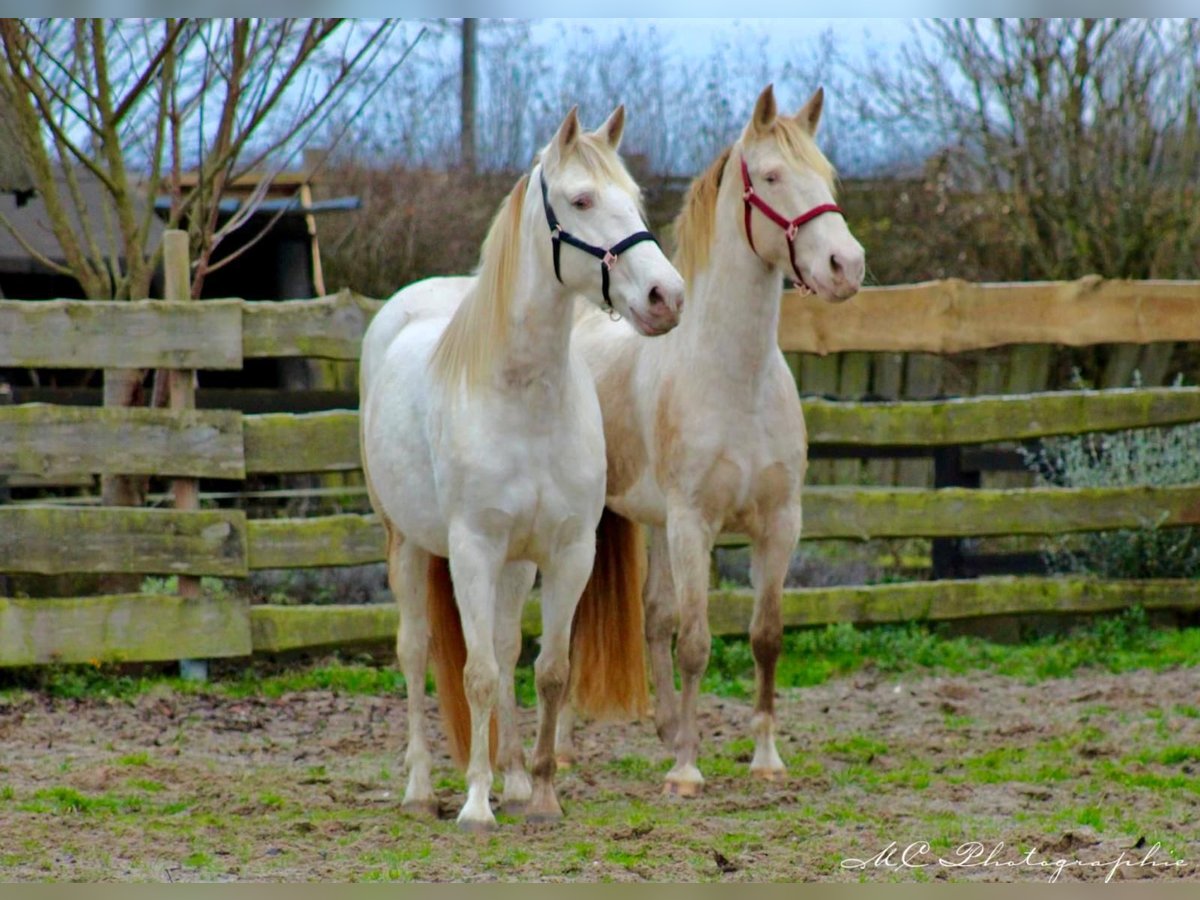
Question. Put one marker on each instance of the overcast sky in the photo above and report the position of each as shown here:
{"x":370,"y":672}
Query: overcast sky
{"x":858,"y":37}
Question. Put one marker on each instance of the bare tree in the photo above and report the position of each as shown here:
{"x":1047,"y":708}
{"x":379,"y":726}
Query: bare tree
{"x":177,"y":106}
{"x":1082,"y":132}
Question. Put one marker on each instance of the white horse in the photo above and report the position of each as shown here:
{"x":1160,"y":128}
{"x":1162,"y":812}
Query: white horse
{"x":482,"y":445}
{"x":703,"y":428}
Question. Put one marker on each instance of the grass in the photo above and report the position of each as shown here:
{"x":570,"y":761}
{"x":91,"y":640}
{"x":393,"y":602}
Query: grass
{"x":1119,"y":643}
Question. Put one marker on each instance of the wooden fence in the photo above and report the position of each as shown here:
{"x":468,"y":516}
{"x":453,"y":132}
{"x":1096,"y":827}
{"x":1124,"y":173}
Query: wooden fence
{"x":43,"y":441}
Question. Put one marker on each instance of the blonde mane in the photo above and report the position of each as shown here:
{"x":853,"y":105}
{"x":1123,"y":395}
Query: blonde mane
{"x":478,"y":333}
{"x":468,"y":347}
{"x":697,"y":220}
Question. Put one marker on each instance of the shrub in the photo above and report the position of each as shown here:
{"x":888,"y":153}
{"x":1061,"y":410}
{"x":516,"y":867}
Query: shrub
{"x":1150,"y":456}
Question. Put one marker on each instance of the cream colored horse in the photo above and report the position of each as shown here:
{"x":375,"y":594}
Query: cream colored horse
{"x":703,"y":427}
{"x":483,"y":445}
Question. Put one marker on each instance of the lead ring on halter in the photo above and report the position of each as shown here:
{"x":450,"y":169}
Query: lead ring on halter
{"x":608,"y":258}
{"x":791,"y":227}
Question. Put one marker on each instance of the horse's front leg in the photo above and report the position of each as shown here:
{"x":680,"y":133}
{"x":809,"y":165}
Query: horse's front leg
{"x":769,"y":557}
{"x":689,"y":540}
{"x":563,"y":581}
{"x":515,"y":582}
{"x":475,"y":566}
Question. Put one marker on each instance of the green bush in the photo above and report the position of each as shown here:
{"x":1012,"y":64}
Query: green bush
{"x":1151,"y":456}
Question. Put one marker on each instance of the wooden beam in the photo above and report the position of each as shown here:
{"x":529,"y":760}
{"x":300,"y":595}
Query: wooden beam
{"x":50,"y":442}
{"x":278,"y":628}
{"x":121,"y":628}
{"x":51,"y":540}
{"x":952,"y":316}
{"x":328,"y":441}
{"x":960,"y":512}
{"x":983,"y":420}
{"x":311,"y":442}
{"x":141,"y":334}
{"x":340,"y":540}
{"x":275,"y":629}
{"x":830,"y":513}
{"x":329,"y":327}
{"x":730,"y":611}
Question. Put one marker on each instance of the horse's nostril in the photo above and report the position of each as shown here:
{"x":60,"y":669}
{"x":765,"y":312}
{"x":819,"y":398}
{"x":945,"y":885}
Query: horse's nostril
{"x":835,"y":264}
{"x":656,"y":295}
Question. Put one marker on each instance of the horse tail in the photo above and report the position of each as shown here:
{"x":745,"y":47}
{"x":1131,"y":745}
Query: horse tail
{"x":448,"y":653}
{"x":608,"y":660}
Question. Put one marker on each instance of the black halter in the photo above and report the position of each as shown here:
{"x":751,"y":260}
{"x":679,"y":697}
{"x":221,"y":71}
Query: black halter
{"x":607,"y":257}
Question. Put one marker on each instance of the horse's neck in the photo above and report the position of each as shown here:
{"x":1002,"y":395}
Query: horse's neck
{"x":732,"y":315}
{"x":539,"y":329}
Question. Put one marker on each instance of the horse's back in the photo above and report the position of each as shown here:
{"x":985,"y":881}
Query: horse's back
{"x":431,"y":298}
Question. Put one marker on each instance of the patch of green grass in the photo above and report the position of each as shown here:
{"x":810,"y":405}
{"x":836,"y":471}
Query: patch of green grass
{"x":64,"y":800}
{"x":810,"y":657}
{"x":856,"y":748}
{"x":1118,"y":643}
{"x":636,"y":767}
{"x":626,"y":858}
{"x":1173,"y":755}
{"x":147,"y":784}
{"x":956,"y":722}
{"x":140,"y":758}
{"x":199,"y":860}
{"x":7,"y":792}
{"x":337,"y":677}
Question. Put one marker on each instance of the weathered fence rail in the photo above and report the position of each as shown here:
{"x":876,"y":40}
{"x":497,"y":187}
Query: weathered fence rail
{"x":53,"y":442}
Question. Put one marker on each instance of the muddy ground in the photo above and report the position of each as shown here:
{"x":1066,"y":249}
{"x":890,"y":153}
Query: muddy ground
{"x":180,"y":787}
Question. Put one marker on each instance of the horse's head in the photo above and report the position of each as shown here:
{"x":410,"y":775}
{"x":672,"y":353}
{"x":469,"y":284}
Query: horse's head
{"x":790,"y":217}
{"x":598,"y":235}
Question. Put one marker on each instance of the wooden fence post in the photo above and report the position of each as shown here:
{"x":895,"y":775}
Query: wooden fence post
{"x":5,"y":400}
{"x":181,"y":387}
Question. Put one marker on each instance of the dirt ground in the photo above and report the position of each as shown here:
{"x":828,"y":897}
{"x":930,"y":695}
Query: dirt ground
{"x":1082,"y":771}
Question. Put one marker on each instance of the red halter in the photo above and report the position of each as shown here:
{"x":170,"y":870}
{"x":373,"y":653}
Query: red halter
{"x":790,"y":226}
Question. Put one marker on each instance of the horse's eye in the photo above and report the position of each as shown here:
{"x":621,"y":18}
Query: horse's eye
{"x":771,"y":177}
{"x":583,"y":201}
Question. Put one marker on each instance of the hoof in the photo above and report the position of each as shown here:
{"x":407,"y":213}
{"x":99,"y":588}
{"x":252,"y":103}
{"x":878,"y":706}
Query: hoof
{"x":421,"y":809}
{"x":544,"y":817}
{"x":565,"y":761}
{"x":683,"y":788}
{"x":472,"y":826}
{"x":769,"y":775}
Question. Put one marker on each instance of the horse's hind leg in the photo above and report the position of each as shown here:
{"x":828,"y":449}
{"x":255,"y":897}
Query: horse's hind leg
{"x":769,"y":559}
{"x":662,"y":618}
{"x":564,"y":741}
{"x":515,"y":582}
{"x":407,"y":564}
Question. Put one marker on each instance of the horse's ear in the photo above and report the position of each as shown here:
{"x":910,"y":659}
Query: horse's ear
{"x":765,"y":111}
{"x":810,"y":113}
{"x":613,"y":127}
{"x":568,"y":131}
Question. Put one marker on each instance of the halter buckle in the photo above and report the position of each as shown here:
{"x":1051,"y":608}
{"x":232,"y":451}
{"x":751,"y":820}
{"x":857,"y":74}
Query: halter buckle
{"x":747,"y":194}
{"x":608,"y":260}
{"x":792,"y":230}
